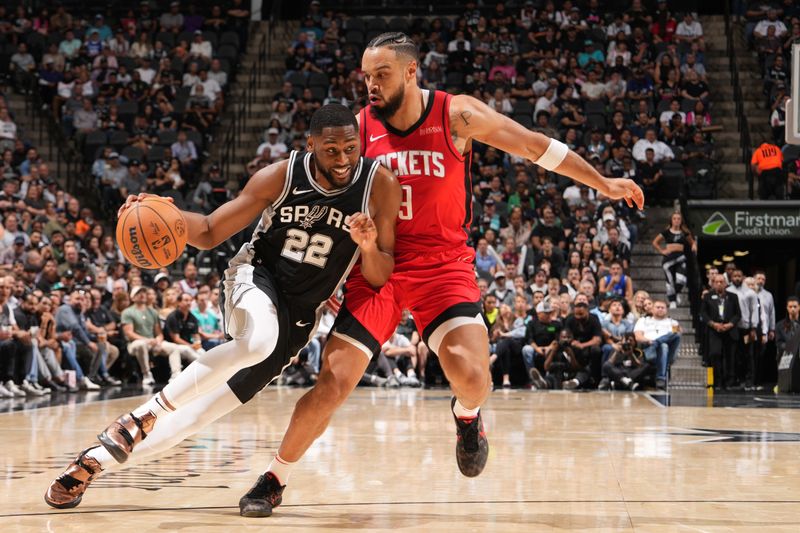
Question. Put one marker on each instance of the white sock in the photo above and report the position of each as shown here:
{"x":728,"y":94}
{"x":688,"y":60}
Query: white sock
{"x":158,"y":405}
{"x":101,"y":455}
{"x":281,"y":469}
{"x":462,"y":412}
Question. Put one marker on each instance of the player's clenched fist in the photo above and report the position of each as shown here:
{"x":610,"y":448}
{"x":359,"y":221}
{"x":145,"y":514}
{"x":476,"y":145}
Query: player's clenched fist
{"x":363,"y":231}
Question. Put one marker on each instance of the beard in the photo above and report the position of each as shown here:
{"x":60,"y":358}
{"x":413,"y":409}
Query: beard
{"x":390,"y":105}
{"x":335,"y":182}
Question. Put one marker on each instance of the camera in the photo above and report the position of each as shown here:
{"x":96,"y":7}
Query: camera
{"x":564,"y":344}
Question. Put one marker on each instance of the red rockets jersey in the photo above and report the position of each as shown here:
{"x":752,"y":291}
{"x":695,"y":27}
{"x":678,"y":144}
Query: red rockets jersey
{"x":436,"y":204}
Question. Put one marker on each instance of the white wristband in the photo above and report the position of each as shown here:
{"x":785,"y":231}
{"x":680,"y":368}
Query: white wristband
{"x":553,"y":156}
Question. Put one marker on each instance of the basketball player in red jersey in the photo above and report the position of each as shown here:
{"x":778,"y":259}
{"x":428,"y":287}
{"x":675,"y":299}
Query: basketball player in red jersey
{"x":425,"y":137}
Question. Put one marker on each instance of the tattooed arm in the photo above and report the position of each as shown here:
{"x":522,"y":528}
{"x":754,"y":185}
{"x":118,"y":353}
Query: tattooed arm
{"x":472,"y":119}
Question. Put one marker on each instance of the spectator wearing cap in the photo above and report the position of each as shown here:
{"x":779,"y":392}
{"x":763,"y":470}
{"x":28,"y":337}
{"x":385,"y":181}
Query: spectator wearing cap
{"x":15,"y":253}
{"x":135,"y":181}
{"x":591,"y":54}
{"x":200,"y":48}
{"x":142,"y":330}
{"x":587,"y":334}
{"x":276,"y":149}
{"x":172,"y":20}
{"x":502,"y":288}
{"x":541,"y":335}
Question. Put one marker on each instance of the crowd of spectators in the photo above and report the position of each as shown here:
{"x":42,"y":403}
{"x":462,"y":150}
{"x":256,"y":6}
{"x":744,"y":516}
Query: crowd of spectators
{"x":143,"y":84}
{"x":771,"y":28}
{"x":133,"y":88}
{"x":625,"y":90}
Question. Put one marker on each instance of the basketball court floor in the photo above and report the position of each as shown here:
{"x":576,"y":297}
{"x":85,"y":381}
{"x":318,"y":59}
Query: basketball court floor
{"x":559,"y":462}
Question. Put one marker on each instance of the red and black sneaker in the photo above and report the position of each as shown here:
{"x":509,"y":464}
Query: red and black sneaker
{"x":472,"y":446}
{"x":262,"y":497}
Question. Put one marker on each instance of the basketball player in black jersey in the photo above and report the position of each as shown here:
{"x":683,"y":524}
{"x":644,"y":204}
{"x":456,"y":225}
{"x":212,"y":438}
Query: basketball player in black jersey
{"x":319,"y":212}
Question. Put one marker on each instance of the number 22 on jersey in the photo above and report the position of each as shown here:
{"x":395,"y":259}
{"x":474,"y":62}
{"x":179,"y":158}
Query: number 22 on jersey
{"x":302,"y":248}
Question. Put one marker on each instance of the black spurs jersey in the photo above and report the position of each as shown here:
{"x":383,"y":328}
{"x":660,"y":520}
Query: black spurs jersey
{"x":303,"y":239}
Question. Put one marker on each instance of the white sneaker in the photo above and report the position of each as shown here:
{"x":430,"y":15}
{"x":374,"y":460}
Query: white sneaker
{"x":148,"y":379}
{"x":16,"y":391}
{"x":4,"y":392}
{"x":38,"y":387}
{"x":30,"y":389}
{"x":87,"y":384}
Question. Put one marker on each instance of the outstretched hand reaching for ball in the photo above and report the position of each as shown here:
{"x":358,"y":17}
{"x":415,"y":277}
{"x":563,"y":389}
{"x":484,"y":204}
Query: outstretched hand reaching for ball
{"x":363,"y":231}
{"x":133,"y":198}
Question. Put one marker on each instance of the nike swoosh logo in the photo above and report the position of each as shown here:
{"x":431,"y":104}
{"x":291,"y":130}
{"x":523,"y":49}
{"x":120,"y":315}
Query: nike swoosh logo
{"x":298,"y":191}
{"x":302,"y":324}
{"x":372,"y":138}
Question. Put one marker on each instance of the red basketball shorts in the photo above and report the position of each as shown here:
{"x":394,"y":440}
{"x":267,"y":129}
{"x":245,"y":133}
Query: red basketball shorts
{"x":438,"y":288}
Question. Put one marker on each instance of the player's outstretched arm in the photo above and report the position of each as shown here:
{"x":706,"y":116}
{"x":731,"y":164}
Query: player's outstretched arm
{"x":375,"y":235}
{"x":472,"y":119}
{"x":208,"y":231}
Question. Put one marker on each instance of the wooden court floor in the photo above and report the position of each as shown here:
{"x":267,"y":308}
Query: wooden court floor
{"x":559,"y":462}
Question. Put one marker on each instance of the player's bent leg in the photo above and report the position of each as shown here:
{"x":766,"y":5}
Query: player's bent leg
{"x":66,"y":491}
{"x":463,"y":352}
{"x":343,"y":364}
{"x":253,"y":324}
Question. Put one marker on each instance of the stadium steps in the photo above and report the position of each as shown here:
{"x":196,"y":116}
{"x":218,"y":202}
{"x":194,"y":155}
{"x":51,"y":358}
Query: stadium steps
{"x":687,"y":370}
{"x":26,"y":131}
{"x":256,"y":121}
{"x":732,"y":178}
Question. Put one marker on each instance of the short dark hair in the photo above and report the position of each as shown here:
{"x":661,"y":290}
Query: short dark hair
{"x":397,"y":41}
{"x":332,"y":116}
{"x":793,"y":299}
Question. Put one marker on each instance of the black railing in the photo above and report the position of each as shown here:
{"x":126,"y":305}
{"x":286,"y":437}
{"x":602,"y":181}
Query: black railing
{"x":694,"y":285}
{"x":232,"y":137}
{"x":66,"y":164}
{"x":745,"y":143}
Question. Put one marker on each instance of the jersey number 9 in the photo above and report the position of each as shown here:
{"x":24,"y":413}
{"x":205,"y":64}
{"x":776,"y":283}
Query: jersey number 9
{"x":406,"y":211}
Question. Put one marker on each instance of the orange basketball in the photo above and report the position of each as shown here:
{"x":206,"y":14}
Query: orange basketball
{"x":152,"y":233}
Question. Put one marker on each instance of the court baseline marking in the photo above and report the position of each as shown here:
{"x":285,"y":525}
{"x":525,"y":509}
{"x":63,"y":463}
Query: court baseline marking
{"x":373,"y":504}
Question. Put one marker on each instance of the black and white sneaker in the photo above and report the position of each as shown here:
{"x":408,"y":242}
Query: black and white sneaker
{"x":262,"y":497}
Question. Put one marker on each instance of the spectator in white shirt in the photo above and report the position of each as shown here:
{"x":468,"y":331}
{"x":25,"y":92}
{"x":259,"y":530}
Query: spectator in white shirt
{"x":8,"y":131}
{"x":674,"y":109}
{"x":276,"y":148}
{"x":619,"y":25}
{"x":593,"y":89}
{"x":210,"y":86}
{"x":217,"y":74}
{"x":200,"y":47}
{"x":689,"y":31}
{"x":662,"y":151}
{"x":660,"y":336}
{"x":146,"y":72}
{"x":760,"y":31}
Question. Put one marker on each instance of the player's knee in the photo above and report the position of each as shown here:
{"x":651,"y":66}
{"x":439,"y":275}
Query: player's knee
{"x":332,"y":389}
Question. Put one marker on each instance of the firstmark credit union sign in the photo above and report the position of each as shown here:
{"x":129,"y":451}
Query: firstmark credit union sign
{"x":731,"y":220}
